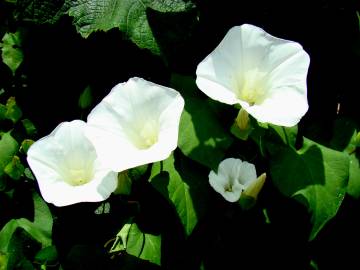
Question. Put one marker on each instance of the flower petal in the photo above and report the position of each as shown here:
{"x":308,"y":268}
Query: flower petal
{"x":266,"y":75}
{"x":247,"y":173}
{"x":219,"y":183}
{"x":65,"y":154}
{"x":136,"y":124}
{"x":230,"y":167}
{"x":284,"y":108}
{"x":62,"y":194}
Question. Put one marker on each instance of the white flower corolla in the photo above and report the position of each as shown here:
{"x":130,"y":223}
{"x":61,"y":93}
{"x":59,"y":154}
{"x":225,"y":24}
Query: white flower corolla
{"x":67,"y":167}
{"x":232,"y":178}
{"x":135,"y":124}
{"x":264,"y":74}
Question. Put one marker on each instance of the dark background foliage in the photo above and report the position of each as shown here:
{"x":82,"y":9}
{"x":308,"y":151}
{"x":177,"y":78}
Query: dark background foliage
{"x":59,"y":64}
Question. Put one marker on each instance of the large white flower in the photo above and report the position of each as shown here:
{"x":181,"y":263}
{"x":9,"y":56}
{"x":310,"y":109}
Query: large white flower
{"x":67,"y":168}
{"x":264,"y":74}
{"x":137,"y":123}
{"x":234,"y":177}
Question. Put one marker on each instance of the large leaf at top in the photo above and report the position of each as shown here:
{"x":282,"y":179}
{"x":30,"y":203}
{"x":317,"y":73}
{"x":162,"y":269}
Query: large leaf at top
{"x":130,"y":16}
{"x":40,"y":11}
{"x":202,"y":135}
{"x":315,"y":175}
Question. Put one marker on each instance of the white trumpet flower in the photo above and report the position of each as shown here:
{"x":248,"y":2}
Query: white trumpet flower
{"x":264,"y":74}
{"x":67,"y":167}
{"x":137,"y":123}
{"x":235,"y":177}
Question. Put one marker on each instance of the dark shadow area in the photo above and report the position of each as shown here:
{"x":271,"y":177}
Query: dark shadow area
{"x":174,"y":32}
{"x":59,"y":64}
{"x":305,"y":170}
{"x":79,"y":225}
{"x":229,"y":237}
{"x":158,"y":216}
{"x":336,"y":245}
{"x":195,"y":176}
{"x":342,"y":133}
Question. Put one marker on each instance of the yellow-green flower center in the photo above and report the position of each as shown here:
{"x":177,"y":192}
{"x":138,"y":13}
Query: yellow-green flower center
{"x":250,"y":87}
{"x":78,"y":170}
{"x":144,"y":134}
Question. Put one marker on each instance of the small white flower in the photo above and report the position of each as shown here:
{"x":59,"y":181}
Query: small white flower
{"x":67,"y":168}
{"x":232,"y":178}
{"x":137,"y":123}
{"x":264,"y":74}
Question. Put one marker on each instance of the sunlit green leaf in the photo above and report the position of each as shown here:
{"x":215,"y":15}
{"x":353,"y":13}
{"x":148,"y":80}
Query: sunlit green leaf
{"x":14,"y":168}
{"x":12,"y":55}
{"x":202,"y":136}
{"x":8,"y":148}
{"x":10,"y":111}
{"x":315,"y":175}
{"x":354,"y":177}
{"x":128,"y":15}
{"x":42,"y":216}
{"x":25,"y":145}
{"x":145,"y":246}
{"x":170,"y":184}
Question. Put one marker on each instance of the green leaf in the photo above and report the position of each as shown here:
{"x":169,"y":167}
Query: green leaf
{"x":314,"y":175}
{"x":42,"y":216}
{"x":286,"y":134}
{"x":14,"y":168}
{"x":10,"y":111}
{"x":28,"y":174}
{"x":202,"y":136}
{"x":3,"y":111}
{"x":142,"y":245}
{"x":29,"y":127}
{"x":8,"y":148}
{"x":345,"y":138}
{"x":10,"y":227}
{"x":47,"y":255}
{"x":12,"y":55}
{"x":85,"y":98}
{"x":353,"y":188}
{"x":25,"y":145}
{"x":167,"y":180}
{"x":44,"y":11}
{"x":40,"y":230}
{"x":130,"y":16}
